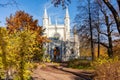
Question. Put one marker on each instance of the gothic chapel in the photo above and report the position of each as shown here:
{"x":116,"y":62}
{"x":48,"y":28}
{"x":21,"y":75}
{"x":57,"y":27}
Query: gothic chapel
{"x":63,"y":46}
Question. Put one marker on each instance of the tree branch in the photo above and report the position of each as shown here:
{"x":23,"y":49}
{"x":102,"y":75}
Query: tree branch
{"x":111,"y":31}
{"x":118,"y":1}
{"x":114,"y":12}
{"x":12,"y":2}
{"x":103,"y":44}
{"x":111,"y":22}
{"x":102,"y":33}
{"x":111,"y":7}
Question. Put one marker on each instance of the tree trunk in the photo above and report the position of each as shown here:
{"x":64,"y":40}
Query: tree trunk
{"x":110,"y":52}
{"x":21,"y":67}
{"x":98,"y":29}
{"x":98,"y":44}
{"x":91,"y":33}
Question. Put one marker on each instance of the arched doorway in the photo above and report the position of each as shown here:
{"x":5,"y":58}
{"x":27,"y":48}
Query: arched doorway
{"x":56,"y":53}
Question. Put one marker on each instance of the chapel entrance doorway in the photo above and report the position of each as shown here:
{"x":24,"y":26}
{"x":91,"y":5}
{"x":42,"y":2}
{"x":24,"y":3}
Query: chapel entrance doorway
{"x":56,"y":53}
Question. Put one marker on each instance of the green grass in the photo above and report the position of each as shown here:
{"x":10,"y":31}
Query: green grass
{"x":80,"y":64}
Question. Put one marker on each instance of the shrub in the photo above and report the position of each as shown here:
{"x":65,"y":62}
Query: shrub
{"x":46,"y":58}
{"x":107,"y":69}
{"x":79,"y":64}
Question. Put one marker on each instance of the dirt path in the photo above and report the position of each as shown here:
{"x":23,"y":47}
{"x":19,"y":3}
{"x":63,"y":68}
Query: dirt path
{"x":50,"y":72}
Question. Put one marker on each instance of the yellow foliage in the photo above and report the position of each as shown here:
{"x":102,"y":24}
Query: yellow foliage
{"x":103,"y":51}
{"x":107,"y":68}
{"x":16,"y":51}
{"x":104,"y":60}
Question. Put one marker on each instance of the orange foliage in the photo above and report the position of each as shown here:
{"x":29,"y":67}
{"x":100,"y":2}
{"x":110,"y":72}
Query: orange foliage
{"x":42,"y":39}
{"x":23,"y":21}
{"x":103,"y":50}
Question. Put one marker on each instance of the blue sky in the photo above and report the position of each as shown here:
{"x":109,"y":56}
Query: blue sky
{"x":36,"y":9}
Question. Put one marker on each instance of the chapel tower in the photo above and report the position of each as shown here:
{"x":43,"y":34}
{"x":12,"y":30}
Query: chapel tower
{"x":59,"y":34}
{"x":67,"y":24}
{"x":45,"y":22}
{"x":62,"y":29}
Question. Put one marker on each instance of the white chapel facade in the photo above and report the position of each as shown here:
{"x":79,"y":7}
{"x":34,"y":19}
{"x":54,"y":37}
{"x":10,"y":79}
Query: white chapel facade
{"x":61,"y":30}
{"x":61,"y":38}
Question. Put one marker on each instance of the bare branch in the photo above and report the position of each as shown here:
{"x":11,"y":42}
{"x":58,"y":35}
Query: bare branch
{"x":103,"y":44}
{"x":112,"y":22}
{"x":114,"y":12}
{"x":118,"y":1}
{"x":63,"y":3}
{"x":12,"y":2}
{"x":111,"y":31}
{"x":102,"y":32}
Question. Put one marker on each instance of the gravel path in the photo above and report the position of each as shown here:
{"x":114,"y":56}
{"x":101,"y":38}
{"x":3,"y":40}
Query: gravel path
{"x":51,"y":73}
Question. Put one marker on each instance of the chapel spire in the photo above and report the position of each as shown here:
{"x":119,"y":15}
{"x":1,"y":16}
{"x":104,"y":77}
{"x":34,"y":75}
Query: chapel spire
{"x":67,"y":24}
{"x":45,"y":13}
{"x":67,"y":13}
{"x":45,"y":22}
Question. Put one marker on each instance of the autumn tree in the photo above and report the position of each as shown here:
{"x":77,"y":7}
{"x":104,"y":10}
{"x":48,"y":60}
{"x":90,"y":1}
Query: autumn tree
{"x":16,"y":53}
{"x":3,"y":53}
{"x":26,"y":34}
{"x":26,"y":41}
{"x":23,"y":21}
